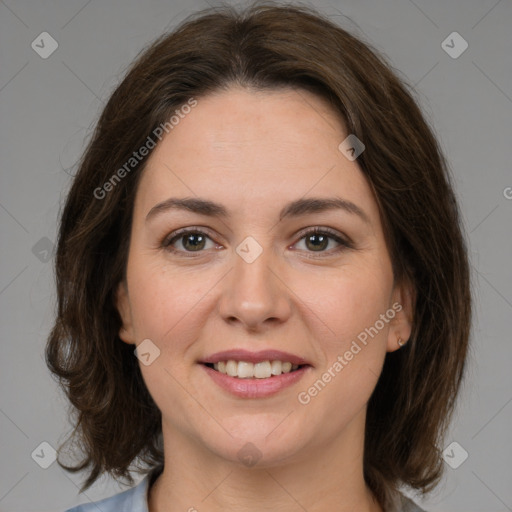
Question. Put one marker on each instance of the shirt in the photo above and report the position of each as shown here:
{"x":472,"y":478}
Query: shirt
{"x":136,"y":500}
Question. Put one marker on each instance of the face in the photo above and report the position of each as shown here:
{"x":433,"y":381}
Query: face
{"x":251,"y":276}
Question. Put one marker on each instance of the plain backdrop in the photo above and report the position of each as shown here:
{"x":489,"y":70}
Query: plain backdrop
{"x":48,"y":107}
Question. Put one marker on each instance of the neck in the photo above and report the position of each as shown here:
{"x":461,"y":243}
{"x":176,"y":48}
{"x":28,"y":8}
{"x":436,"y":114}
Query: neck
{"x":328,"y":477}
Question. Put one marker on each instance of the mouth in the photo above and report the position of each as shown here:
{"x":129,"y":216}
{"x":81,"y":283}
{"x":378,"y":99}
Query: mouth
{"x":247,"y":370}
{"x":255,"y":374}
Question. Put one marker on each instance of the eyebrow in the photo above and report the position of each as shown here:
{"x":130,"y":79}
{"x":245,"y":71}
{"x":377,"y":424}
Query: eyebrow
{"x":292,"y":209}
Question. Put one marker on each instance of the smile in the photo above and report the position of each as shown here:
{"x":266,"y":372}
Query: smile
{"x":248,"y":370}
{"x":248,"y":374}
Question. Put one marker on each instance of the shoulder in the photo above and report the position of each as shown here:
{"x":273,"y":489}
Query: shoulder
{"x":131,"y":500}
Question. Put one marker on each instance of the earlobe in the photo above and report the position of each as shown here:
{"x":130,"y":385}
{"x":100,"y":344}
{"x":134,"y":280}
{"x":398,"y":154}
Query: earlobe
{"x":404,"y":301}
{"x":124,"y":309}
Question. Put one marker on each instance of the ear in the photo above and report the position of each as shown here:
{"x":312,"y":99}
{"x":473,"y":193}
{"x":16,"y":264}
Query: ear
{"x":403,"y":303}
{"x":126,"y":332}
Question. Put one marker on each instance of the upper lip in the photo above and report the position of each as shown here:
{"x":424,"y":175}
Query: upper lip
{"x":254,"y":357}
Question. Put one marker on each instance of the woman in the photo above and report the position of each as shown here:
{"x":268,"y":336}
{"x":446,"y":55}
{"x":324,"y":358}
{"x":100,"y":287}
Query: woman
{"x":263,"y":285}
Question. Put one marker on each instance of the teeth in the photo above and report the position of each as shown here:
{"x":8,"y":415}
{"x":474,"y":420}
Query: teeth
{"x":286,"y":367}
{"x":261,"y":370}
{"x":231,"y":368}
{"x":245,"y":370}
{"x":276,"y":367}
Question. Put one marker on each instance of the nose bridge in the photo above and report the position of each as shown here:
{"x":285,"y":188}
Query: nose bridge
{"x":254,"y":294}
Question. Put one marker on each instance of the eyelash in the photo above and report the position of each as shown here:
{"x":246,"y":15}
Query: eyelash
{"x":170,"y":239}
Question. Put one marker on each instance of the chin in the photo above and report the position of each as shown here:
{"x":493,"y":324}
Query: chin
{"x":256,"y":442}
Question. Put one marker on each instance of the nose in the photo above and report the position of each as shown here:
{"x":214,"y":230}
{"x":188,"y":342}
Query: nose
{"x":254,"y":293}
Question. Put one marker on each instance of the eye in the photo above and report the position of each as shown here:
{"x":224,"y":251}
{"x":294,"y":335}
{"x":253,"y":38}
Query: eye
{"x":188,"y":241}
{"x":317,"y":240}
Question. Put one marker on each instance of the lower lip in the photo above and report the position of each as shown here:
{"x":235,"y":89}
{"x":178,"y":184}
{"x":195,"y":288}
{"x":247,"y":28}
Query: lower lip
{"x":255,"y":388}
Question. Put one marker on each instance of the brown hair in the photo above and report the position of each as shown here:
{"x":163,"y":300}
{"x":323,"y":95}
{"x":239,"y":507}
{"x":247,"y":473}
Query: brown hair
{"x":266,"y":46}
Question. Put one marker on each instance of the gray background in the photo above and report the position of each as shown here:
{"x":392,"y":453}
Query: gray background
{"x":48,"y":107}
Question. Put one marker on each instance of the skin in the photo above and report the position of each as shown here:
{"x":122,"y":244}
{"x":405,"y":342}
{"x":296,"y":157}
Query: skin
{"x":253,"y":152}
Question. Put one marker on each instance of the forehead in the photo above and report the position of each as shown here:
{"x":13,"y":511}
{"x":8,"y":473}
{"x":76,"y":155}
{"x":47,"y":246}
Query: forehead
{"x":255,"y":149}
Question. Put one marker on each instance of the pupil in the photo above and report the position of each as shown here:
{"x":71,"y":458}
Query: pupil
{"x":188,"y":238}
{"x":322,"y":238}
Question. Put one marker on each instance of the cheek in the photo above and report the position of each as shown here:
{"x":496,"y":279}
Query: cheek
{"x":351,"y":351}
{"x":347,"y":301}
{"x":164,"y":300}
{"x":167,"y":309}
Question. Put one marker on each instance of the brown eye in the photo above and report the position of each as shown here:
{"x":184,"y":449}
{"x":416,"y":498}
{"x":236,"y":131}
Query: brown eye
{"x":189,"y":241}
{"x":317,"y":240}
{"x":186,"y":241}
{"x":193,"y":241}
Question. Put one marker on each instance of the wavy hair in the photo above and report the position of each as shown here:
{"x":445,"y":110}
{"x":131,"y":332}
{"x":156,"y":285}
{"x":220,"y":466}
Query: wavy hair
{"x":265,"y":46}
